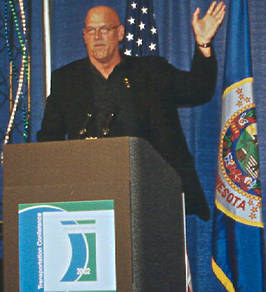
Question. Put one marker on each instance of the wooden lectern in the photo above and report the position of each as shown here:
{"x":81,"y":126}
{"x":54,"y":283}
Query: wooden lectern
{"x":147,"y":194}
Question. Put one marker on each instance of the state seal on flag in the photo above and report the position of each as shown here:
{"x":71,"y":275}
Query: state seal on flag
{"x":240,"y":152}
{"x":238,"y":186}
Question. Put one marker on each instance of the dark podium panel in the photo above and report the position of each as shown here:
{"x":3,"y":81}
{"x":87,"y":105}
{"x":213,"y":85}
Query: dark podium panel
{"x":147,"y":197}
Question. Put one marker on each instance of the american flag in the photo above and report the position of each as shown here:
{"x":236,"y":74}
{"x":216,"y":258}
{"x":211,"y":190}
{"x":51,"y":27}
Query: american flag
{"x":141,"y":35}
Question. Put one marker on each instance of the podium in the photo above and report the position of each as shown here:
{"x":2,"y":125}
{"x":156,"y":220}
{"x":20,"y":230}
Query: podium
{"x":146,"y":191}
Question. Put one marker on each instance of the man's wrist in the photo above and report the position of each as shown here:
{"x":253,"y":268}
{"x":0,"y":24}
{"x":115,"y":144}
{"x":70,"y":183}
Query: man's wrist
{"x":204,"y":45}
{"x":205,"y":50}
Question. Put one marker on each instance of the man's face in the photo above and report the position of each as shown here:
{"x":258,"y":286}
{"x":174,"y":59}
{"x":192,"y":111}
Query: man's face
{"x":102,"y":34}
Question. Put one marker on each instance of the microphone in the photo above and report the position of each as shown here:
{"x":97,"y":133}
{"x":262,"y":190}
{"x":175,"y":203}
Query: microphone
{"x":106,"y":129}
{"x":83,"y":129}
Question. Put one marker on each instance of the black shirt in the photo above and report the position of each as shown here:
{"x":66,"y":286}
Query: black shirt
{"x":114,"y":108}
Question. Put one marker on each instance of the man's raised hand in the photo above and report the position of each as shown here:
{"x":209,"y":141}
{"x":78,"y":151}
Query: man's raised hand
{"x":205,"y":28}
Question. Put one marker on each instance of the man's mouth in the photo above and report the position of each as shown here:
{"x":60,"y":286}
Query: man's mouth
{"x":100,"y":45}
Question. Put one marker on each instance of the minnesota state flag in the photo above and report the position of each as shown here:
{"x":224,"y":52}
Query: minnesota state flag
{"x":237,"y":236}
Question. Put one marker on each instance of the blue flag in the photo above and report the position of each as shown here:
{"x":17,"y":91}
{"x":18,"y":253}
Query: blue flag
{"x":238,"y":228}
{"x":141,"y":34}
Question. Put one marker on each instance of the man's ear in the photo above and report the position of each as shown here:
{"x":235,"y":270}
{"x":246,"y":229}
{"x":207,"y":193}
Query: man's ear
{"x":121,"y":32}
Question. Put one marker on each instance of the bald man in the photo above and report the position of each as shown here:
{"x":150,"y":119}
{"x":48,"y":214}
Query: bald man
{"x":111,"y":95}
{"x":102,"y":34}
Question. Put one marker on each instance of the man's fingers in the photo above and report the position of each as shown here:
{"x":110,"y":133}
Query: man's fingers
{"x":218,"y":9}
{"x":220,"y":17}
{"x":196,"y":15}
{"x":215,"y":8}
{"x":211,"y":8}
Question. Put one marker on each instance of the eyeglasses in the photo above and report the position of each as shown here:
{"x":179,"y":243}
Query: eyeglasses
{"x":91,"y":31}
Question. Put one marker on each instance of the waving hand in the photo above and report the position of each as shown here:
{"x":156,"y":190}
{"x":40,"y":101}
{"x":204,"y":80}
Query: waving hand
{"x":206,"y":27}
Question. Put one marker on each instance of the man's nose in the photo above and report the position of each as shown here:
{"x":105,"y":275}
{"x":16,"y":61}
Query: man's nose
{"x":98,"y":34}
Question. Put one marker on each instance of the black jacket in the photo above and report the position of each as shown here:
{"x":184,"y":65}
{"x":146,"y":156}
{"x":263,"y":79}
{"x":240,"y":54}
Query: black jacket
{"x":157,"y":89}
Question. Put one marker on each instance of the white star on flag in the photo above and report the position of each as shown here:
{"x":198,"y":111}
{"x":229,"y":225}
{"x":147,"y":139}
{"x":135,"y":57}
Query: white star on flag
{"x":142,"y":26}
{"x":152,"y":47}
{"x":134,"y":5}
{"x":139,"y":42}
{"x":144,"y":10}
{"x":141,"y":34}
{"x":153,"y":30}
{"x":130,"y":36}
{"x":127,"y":52}
{"x":131,"y":20}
